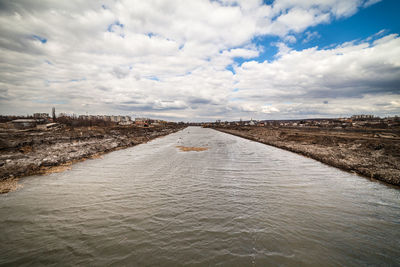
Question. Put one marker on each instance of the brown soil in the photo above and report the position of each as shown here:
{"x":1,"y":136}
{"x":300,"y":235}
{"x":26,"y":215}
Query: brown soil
{"x":366,"y":153}
{"x":191,"y":148}
{"x":9,"y":185}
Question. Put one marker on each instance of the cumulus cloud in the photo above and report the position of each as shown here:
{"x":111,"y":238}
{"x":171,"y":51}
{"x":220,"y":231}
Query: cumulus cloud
{"x":349,"y":73}
{"x":371,"y":2}
{"x":179,"y":59}
{"x":309,"y":35}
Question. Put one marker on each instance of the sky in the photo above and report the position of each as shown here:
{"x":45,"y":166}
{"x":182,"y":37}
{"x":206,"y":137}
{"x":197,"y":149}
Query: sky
{"x":201,"y":60}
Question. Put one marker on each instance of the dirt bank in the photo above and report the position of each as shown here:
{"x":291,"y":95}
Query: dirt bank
{"x":368,"y":154}
{"x":31,"y":152}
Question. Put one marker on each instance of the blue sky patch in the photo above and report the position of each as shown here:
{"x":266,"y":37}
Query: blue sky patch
{"x":268,"y":2}
{"x":380,"y":18}
{"x":40,"y":39}
{"x":365,"y":23}
{"x":235,"y":99}
{"x":231,"y":69}
{"x":78,"y":80}
{"x":110,"y":27}
{"x":154,"y":78}
{"x":269,"y":49}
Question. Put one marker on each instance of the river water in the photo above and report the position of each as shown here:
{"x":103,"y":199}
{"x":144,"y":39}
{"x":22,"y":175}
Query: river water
{"x":239,"y":203}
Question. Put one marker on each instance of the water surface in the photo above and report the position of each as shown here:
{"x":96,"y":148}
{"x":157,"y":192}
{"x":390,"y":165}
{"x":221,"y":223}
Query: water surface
{"x":239,"y":203}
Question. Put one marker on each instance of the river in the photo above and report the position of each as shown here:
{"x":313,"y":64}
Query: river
{"x":239,"y":203}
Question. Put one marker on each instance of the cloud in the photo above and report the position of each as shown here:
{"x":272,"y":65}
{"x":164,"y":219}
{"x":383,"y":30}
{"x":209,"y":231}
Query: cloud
{"x":294,"y":16}
{"x":290,"y":39}
{"x":371,"y":2}
{"x":350,"y":73}
{"x":309,"y":35}
{"x":241,"y":52}
{"x":283,"y":49}
{"x":298,"y":19}
{"x":269,"y":109}
{"x":186,"y":59}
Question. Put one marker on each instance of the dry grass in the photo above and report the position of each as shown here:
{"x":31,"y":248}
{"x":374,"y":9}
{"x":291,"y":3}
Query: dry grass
{"x":56,"y":169}
{"x":9,"y":185}
{"x":25,"y":149}
{"x":191,"y":148}
{"x":67,"y":166}
{"x":97,"y":156}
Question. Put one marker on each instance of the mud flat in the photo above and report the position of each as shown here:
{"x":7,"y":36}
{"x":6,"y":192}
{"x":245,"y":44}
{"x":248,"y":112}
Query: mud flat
{"x":32,"y":152}
{"x":191,"y":148}
{"x":369,"y":154}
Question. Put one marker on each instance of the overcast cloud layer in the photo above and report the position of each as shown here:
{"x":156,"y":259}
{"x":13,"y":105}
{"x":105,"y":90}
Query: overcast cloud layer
{"x":178,"y":60}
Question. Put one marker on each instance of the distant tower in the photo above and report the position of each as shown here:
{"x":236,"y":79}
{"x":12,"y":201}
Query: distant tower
{"x":53,"y":111}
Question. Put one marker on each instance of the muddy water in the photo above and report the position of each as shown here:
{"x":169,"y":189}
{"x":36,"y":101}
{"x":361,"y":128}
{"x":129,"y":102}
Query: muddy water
{"x":237,"y":203}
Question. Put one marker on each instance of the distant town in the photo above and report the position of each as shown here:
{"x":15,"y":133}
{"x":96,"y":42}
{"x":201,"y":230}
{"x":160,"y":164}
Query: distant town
{"x":355,"y":121}
{"x":45,"y":121}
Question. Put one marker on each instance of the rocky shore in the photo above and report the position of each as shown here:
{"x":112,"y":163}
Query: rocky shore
{"x":30,"y":152}
{"x":371,"y":154}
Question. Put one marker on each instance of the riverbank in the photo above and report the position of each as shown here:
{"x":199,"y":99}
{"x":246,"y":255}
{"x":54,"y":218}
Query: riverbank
{"x":31,"y":152}
{"x":368,"y":154}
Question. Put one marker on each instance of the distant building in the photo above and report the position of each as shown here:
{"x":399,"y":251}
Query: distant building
{"x":142,"y":121}
{"x":362,"y":117}
{"x":41,"y":115}
{"x":125,"y":123}
{"x":120,"y":118}
{"x":62,"y":114}
{"x":83,"y":117}
{"x":112,"y":118}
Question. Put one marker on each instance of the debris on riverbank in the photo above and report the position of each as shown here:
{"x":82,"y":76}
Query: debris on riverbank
{"x":29,"y":152}
{"x":9,"y":185}
{"x":190,"y":148}
{"x":56,"y":169}
{"x":367,"y":154}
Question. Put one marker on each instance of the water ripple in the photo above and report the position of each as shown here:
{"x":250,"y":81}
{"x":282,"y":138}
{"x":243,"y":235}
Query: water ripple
{"x":239,"y":203}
